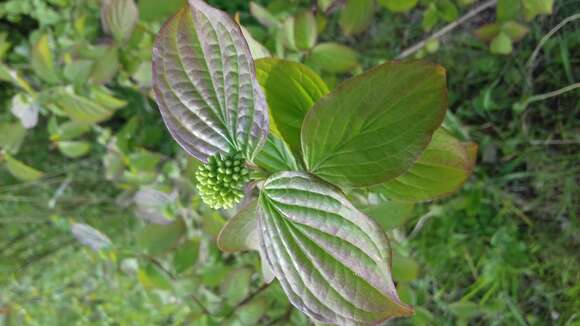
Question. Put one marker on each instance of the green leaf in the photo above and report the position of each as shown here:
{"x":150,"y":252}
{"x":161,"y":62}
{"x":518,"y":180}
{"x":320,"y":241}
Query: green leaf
{"x":241,"y":231}
{"x":81,"y":109}
{"x":390,"y":214}
{"x":258,"y":50}
{"x":250,"y":313}
{"x":501,"y":44}
{"x":106,"y":65}
{"x":430,"y":17}
{"x":373,"y":127}
{"x":333,"y":58}
{"x":186,"y":255}
{"x":263,"y":16}
{"x":12,"y":137}
{"x":78,"y":72}
{"x":305,"y":30}
{"x":291,"y":90}
{"x":213,"y":224}
{"x":236,"y":286}
{"x":74,"y":149}
{"x":276,"y":156}
{"x":533,"y":8}
{"x":405,"y":269}
{"x":398,"y":5}
{"x":443,"y":168}
{"x":42,"y":61}
{"x":157,"y":239}
{"x":152,"y":277}
{"x":356,"y":16}
{"x":119,"y":18}
{"x":515,"y":30}
{"x":508,"y":10}
{"x":332,"y":261}
{"x":69,"y":130}
{"x":155,"y":10}
{"x":205,"y":84}
{"x":20,"y":170}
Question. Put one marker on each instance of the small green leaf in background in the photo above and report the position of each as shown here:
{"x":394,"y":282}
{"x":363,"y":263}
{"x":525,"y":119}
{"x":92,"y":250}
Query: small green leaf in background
{"x":157,"y":239}
{"x":447,"y":10}
{"x":152,"y":277}
{"x":81,"y":109}
{"x":507,"y":10}
{"x":405,"y":269}
{"x":443,"y":168}
{"x":250,"y":313}
{"x":12,"y":136}
{"x":257,"y":49}
{"x":156,"y":11}
{"x":390,"y":214}
{"x":119,"y":18}
{"x":533,"y":8}
{"x":276,"y":156}
{"x":371,"y":128}
{"x":77,"y":72}
{"x":20,"y":170}
{"x":356,"y":16}
{"x":501,"y":44}
{"x":305,"y":30}
{"x":186,"y":255}
{"x":326,"y":252}
{"x":333,"y":57}
{"x":42,"y":60}
{"x":291,"y":90}
{"x":430,"y":17}
{"x":236,"y":286}
{"x":69,"y":130}
{"x":106,"y":64}
{"x":398,"y":5}
{"x":240,"y":233}
{"x":263,"y":16}
{"x":74,"y":149}
{"x":213,"y":224}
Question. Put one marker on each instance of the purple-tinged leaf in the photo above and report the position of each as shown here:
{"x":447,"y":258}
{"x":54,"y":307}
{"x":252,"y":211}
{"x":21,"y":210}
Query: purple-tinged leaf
{"x":332,"y":261}
{"x":205,"y":83}
{"x":90,"y":236}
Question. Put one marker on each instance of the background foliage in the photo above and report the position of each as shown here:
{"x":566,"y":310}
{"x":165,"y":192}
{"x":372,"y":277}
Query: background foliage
{"x":82,"y":144}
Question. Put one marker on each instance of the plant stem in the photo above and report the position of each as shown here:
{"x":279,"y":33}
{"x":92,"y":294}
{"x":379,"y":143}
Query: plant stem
{"x":470,"y":14}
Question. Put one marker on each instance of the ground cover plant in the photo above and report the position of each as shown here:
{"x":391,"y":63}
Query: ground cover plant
{"x":105,"y":220}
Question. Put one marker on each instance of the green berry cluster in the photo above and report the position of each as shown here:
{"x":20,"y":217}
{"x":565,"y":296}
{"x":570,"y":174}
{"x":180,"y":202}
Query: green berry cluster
{"x":221,"y":181}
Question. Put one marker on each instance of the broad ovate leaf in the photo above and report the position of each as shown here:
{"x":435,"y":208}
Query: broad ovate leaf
{"x":332,"y":261}
{"x":205,"y":84}
{"x":89,"y":236}
{"x":373,"y":127}
{"x":305,"y":30}
{"x":443,"y":168}
{"x":291,"y":90}
{"x":42,"y":60}
{"x":119,"y":18}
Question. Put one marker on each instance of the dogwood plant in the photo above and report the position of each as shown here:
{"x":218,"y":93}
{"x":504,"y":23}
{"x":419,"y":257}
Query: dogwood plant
{"x":307,"y":148}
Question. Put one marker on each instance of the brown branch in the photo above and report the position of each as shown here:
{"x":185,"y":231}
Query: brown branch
{"x":470,"y":14}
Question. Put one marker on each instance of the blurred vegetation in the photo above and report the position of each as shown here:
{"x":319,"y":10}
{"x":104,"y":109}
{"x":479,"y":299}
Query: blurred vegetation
{"x":82,"y":144}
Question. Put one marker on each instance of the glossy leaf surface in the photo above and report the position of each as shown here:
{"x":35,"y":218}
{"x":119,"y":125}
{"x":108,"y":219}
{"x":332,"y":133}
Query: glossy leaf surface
{"x":443,"y":168}
{"x":204,"y":80}
{"x":331,"y":260}
{"x":291,"y":90}
{"x":373,"y":127}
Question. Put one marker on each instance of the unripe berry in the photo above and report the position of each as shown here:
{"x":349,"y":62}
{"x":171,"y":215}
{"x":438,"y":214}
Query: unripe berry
{"x":221,"y":181}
